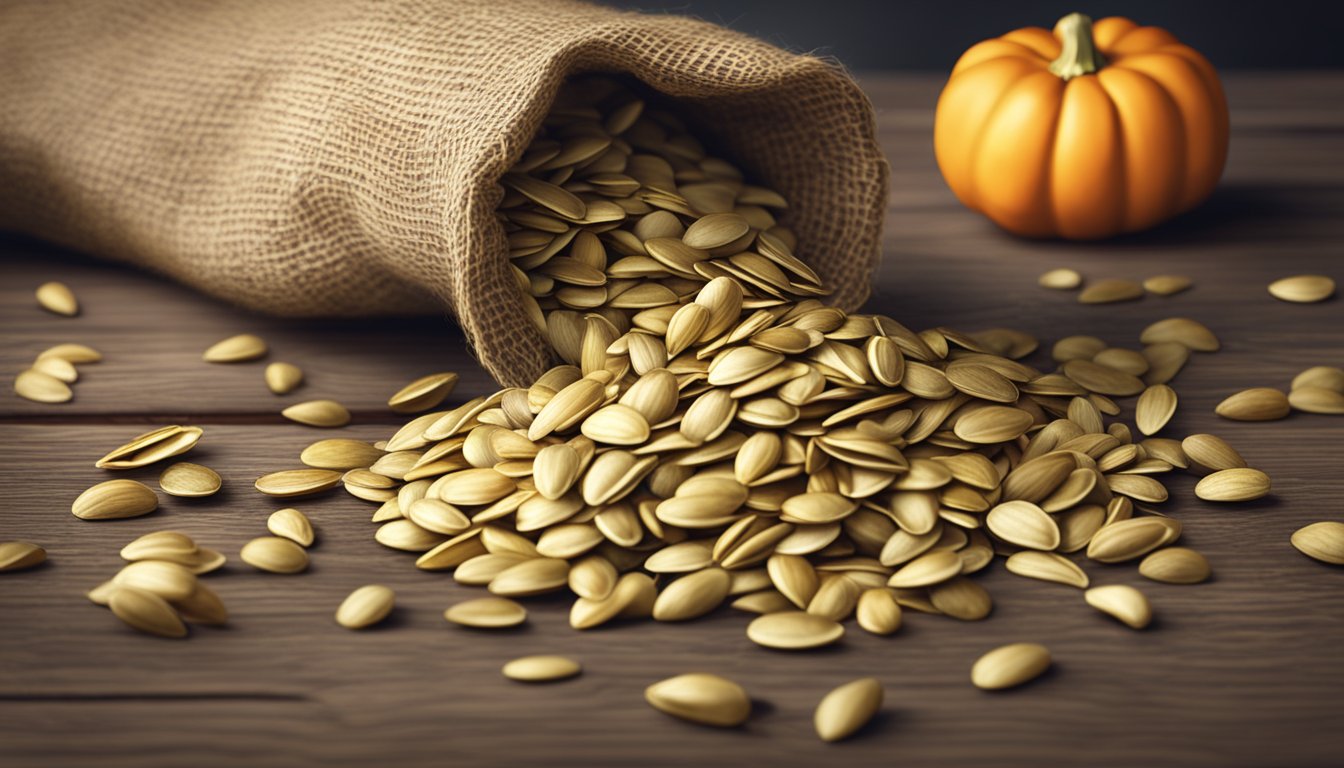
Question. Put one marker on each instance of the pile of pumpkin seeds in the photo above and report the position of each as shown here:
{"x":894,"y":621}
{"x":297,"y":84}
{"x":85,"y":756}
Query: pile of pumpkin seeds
{"x":715,"y":434}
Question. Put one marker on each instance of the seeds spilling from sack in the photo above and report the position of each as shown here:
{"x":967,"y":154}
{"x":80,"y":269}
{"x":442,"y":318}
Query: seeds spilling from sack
{"x":716,"y":433}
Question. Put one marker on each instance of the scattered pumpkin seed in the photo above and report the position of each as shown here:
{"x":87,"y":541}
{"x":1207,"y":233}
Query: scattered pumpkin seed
{"x":846,"y":709}
{"x":701,"y":698}
{"x":58,"y":298}
{"x":541,"y":669}
{"x":1009,"y":666}
{"x":236,"y":349}
{"x":365,"y":607}
{"x":18,"y":555}
{"x":189,"y":480}
{"x":1302,"y":289}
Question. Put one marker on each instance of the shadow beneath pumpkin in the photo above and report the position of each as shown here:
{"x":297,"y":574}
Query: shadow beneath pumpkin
{"x":1235,"y":213}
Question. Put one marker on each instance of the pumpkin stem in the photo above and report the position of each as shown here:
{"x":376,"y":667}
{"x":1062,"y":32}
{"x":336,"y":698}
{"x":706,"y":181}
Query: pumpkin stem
{"x":1079,"y":55}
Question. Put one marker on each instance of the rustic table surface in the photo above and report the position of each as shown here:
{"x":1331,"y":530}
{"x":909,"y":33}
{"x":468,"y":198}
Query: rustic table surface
{"x":1244,"y":670}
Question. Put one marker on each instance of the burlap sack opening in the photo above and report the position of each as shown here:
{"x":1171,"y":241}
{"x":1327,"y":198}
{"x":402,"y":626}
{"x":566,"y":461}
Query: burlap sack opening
{"x":341,"y":157}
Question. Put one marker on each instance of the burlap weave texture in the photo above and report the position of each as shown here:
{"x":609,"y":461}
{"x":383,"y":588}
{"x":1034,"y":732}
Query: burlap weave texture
{"x":341,"y":157}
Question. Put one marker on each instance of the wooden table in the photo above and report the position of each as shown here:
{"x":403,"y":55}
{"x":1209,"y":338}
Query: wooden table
{"x":1242,"y":671}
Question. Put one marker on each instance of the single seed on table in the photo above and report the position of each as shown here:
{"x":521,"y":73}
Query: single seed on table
{"x":365,"y":607}
{"x":701,"y":698}
{"x":115,"y":499}
{"x":848,"y":708}
{"x":1302,"y":289}
{"x":1009,"y":666}
{"x":189,"y":480}
{"x":1182,"y":330}
{"x":236,"y":349}
{"x":1155,"y":408}
{"x":487,"y":613}
{"x":57,"y":298}
{"x":42,"y":387}
{"x":1123,"y":602}
{"x":1167,"y":285}
{"x":291,"y":524}
{"x":283,"y":378}
{"x":340,"y":453}
{"x":318,"y":413}
{"x":146,"y":612}
{"x":1322,"y":541}
{"x":423,"y":393}
{"x":1062,"y":279}
{"x":152,"y":446}
{"x":541,"y":669}
{"x":274,"y":554}
{"x":1047,"y":566}
{"x":297,"y":482}
{"x":1240,"y":484}
{"x":1175,"y":565}
{"x":18,"y":555}
{"x":1316,"y":400}
{"x":794,"y":630}
{"x":1255,"y":404}
{"x":75,"y":353}
{"x":1110,"y":290}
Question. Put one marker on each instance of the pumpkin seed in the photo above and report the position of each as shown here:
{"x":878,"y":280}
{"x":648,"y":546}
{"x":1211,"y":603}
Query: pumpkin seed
{"x":1211,"y":452}
{"x":115,"y":499}
{"x":18,"y":555}
{"x":156,"y":445}
{"x":57,"y":298}
{"x":1155,"y":408}
{"x":487,"y":613}
{"x":878,"y":612}
{"x":318,"y":413}
{"x":1129,"y":539}
{"x":297,"y":482}
{"x":1322,"y":541}
{"x":1182,"y":330}
{"x":42,"y":387}
{"x":1175,"y":565}
{"x":701,"y":698}
{"x":283,"y":378}
{"x":1047,"y":566}
{"x":291,"y":524}
{"x":274,"y":554}
{"x":1024,"y":524}
{"x":1323,"y":376}
{"x":1302,"y":289}
{"x":1316,"y":400}
{"x":1239,"y":484}
{"x":1062,"y":279}
{"x":1167,"y":285}
{"x":189,"y":480}
{"x":541,"y":669}
{"x":1010,"y":665}
{"x":75,"y":353}
{"x":236,"y":349}
{"x":794,"y":630}
{"x":846,"y":709}
{"x":146,"y":612}
{"x":424,"y":393}
{"x":1255,"y":404}
{"x":1122,"y":601}
{"x":1109,"y":291}
{"x":365,"y":607}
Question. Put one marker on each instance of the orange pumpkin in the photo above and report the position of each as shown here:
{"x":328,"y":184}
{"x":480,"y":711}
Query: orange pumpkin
{"x":1085,"y":133}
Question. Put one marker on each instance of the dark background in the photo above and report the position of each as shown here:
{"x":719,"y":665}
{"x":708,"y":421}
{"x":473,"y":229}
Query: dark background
{"x":871,"y":34}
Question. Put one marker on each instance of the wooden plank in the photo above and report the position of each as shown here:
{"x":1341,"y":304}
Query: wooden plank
{"x":1242,"y":670}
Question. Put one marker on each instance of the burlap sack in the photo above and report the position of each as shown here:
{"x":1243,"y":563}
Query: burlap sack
{"x":340,"y":157}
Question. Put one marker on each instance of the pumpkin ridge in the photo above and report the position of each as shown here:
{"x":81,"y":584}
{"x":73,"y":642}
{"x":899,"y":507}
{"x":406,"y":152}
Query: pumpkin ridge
{"x":972,"y":193}
{"x":1179,"y":178}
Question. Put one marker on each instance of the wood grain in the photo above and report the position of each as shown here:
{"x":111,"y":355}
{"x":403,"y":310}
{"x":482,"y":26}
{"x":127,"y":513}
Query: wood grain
{"x":1242,"y":671}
